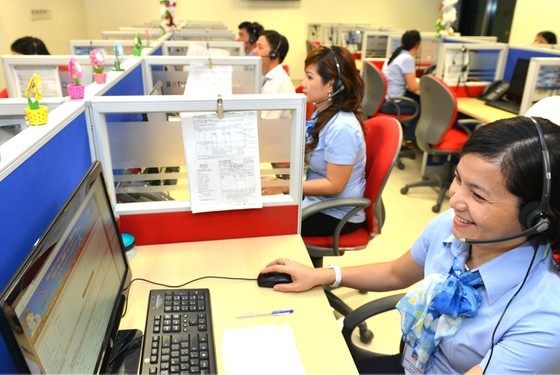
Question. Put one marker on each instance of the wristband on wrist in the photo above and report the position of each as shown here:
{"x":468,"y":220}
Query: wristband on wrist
{"x":337,"y":275}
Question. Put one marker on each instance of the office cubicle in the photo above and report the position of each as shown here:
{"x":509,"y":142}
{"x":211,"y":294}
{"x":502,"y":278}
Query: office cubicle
{"x":195,"y":24}
{"x":203,"y":48}
{"x":205,"y":34}
{"x":85,"y":46}
{"x":427,"y":53}
{"x":475,"y":64}
{"x":146,"y":169}
{"x":53,"y":69}
{"x":173,"y":72}
{"x":543,"y":80}
{"x":129,"y":34}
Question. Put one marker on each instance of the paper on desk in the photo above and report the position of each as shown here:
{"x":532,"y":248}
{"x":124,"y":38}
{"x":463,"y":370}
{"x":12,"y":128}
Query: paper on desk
{"x":222,"y":161}
{"x":260,"y":350}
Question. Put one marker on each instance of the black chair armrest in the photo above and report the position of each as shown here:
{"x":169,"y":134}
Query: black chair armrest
{"x":354,"y":318}
{"x":412,"y":117}
{"x":464,"y":125}
{"x":315,"y":208}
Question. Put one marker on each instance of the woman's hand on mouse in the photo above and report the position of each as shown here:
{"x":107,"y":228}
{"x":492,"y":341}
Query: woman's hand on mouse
{"x":303,"y":277}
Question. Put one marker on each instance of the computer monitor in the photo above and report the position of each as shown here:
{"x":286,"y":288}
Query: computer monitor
{"x":61,"y":310}
{"x":517,"y":83}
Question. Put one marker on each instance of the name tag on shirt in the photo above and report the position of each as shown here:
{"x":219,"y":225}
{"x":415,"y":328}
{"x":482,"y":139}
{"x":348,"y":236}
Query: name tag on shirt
{"x":409,"y":360}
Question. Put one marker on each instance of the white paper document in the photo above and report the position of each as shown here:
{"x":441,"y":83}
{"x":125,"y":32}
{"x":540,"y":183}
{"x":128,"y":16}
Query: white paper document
{"x":50,"y":79}
{"x":206,"y":80}
{"x":196,"y":49}
{"x":269,"y":349}
{"x":222,"y":161}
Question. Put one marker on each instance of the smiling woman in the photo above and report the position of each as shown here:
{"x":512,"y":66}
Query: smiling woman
{"x":487,"y":297}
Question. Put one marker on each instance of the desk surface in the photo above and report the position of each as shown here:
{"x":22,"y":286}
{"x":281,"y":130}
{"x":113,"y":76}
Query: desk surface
{"x":318,"y":338}
{"x":477,"y":109}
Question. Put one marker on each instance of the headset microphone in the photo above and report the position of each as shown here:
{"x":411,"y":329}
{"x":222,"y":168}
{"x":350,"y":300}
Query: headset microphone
{"x":536,"y":216}
{"x":329,"y":97}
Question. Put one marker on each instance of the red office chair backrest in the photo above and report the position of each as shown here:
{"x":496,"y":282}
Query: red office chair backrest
{"x":438,"y":115}
{"x":383,"y":142}
{"x":375,"y":89}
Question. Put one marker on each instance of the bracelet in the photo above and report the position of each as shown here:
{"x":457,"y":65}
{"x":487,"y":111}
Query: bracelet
{"x":337,"y":275}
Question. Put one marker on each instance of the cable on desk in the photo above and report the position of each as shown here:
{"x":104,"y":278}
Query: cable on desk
{"x":178,"y":286}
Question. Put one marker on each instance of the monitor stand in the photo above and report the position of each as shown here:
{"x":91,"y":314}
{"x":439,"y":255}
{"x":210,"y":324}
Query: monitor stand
{"x":128,"y":349}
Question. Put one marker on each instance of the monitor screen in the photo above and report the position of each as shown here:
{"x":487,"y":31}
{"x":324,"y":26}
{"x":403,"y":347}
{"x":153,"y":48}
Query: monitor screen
{"x":518,"y":78}
{"x":61,"y":310}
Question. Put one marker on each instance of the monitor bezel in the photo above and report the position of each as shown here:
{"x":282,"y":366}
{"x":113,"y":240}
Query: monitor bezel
{"x":12,"y":290}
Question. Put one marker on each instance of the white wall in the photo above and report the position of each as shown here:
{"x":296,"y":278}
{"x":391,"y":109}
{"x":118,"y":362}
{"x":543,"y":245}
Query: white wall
{"x":532,"y":16}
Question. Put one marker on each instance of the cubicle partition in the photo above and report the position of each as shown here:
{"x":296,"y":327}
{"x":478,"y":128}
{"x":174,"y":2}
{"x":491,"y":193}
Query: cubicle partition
{"x":173,"y":72}
{"x":205,"y":34}
{"x":543,"y":80}
{"x":129,"y":34}
{"x":53,"y":69}
{"x":524,"y":52}
{"x":85,"y":46}
{"x":203,"y":48}
{"x":38,"y":171}
{"x":146,"y":170}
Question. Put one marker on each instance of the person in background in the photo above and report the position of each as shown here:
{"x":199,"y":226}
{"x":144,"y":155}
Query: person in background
{"x":249,"y":33}
{"x":487,"y":300}
{"x":545,"y":37}
{"x":273,"y":47}
{"x":29,"y":45}
{"x":400,"y":72}
{"x":335,"y":149}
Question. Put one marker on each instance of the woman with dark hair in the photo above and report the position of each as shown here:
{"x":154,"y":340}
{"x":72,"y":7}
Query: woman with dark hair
{"x":335,"y":147}
{"x":487,"y":296}
{"x":29,"y":45}
{"x":400,"y":72}
{"x":545,"y":37}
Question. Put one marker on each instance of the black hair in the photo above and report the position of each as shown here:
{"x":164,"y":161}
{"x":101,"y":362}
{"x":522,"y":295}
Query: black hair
{"x":515,"y":145}
{"x":254,"y":29}
{"x":408,"y":40}
{"x":549,"y":36}
{"x":349,"y":99}
{"x":278,"y":43}
{"x":29,"y":45}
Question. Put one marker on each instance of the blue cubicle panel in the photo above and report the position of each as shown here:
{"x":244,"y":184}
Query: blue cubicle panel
{"x":516,"y":53}
{"x":131,"y":84}
{"x":32,"y":195}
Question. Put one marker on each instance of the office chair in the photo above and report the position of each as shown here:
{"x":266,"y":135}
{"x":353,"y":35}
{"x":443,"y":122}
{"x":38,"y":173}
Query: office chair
{"x":374,"y":96}
{"x":436,"y":135}
{"x":383,"y":141}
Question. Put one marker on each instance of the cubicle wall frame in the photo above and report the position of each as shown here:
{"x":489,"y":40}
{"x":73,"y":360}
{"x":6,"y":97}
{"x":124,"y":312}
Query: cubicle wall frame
{"x":535,"y":65}
{"x":239,"y":47}
{"x":205,"y":34}
{"x":173,"y":221}
{"x":127,"y":34}
{"x":252,"y":63}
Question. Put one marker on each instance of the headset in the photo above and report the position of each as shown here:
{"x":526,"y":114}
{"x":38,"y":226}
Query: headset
{"x":536,"y":216}
{"x":253,"y":34}
{"x":274,"y":54}
{"x":34,"y":45}
{"x":338,"y":85}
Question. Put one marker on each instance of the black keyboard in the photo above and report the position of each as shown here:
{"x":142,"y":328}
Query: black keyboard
{"x":178,"y":336}
{"x":505,"y":105}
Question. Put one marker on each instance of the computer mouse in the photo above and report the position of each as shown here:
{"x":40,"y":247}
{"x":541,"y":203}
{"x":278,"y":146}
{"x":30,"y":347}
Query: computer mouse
{"x":268,"y":280}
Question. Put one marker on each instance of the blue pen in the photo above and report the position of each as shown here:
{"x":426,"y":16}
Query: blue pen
{"x":273,"y":312}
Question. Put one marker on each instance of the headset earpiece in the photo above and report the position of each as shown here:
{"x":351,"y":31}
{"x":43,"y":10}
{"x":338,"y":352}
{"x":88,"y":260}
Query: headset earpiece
{"x":338,"y":85}
{"x":274,"y":54}
{"x":253,"y":34}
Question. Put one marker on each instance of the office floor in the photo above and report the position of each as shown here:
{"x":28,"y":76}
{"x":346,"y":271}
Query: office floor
{"x":406,"y":217}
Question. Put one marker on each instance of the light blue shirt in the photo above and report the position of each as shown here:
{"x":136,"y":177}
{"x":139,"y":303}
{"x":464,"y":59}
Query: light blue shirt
{"x":394,"y":73}
{"x":528,"y":337}
{"x":341,"y":142}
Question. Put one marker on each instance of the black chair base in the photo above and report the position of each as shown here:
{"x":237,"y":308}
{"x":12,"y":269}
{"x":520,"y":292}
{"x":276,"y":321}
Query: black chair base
{"x":441,"y":183}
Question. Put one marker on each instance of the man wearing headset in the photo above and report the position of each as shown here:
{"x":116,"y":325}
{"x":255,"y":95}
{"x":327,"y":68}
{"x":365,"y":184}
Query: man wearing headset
{"x":273,"y":47}
{"x":249,"y":33}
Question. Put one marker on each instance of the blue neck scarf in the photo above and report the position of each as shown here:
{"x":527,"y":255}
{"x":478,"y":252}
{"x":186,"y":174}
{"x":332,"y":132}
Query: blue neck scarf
{"x":436,"y":307}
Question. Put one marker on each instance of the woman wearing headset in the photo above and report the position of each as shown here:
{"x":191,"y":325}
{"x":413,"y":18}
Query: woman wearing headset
{"x":487,"y":298}
{"x":335,"y":147}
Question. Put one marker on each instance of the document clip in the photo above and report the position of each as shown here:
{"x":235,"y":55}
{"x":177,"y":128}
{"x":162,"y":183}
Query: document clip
{"x":220,"y":107}
{"x":210,"y":62}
